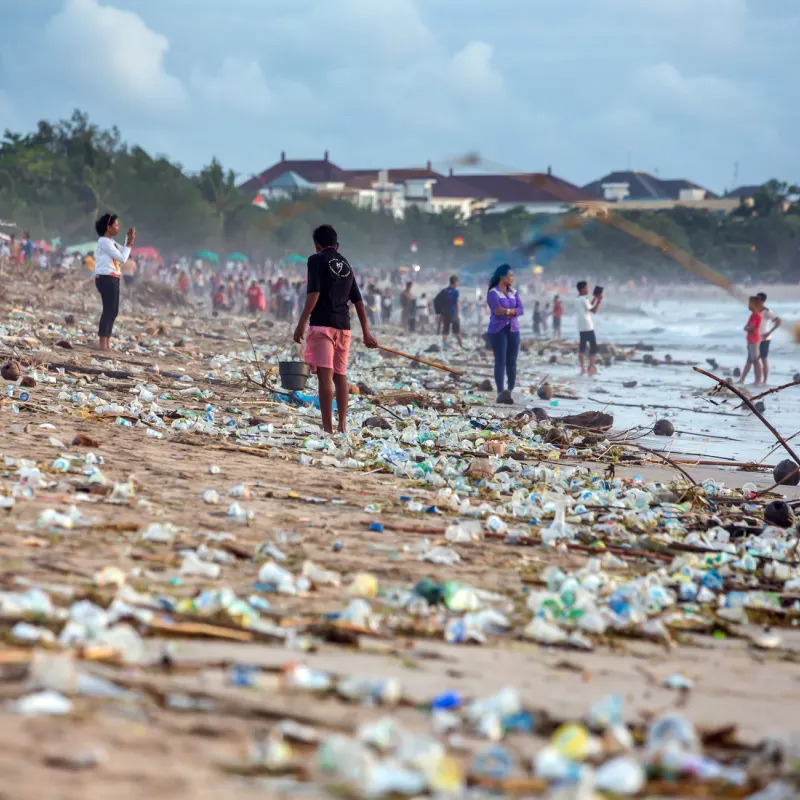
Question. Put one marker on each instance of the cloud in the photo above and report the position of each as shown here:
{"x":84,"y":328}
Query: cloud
{"x":239,"y":85}
{"x":689,"y":85}
{"x":472,"y":70}
{"x":112,"y":52}
{"x":705,"y":96}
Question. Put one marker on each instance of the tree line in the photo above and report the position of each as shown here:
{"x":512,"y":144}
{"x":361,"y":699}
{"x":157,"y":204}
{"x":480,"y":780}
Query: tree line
{"x":56,"y":180}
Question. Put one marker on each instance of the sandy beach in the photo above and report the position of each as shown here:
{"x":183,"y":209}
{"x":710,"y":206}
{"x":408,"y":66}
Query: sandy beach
{"x":182,"y":726}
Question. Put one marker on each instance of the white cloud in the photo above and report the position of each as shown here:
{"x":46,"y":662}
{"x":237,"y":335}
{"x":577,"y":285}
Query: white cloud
{"x":94,"y":47}
{"x":472,"y":71}
{"x":704,"y":96}
{"x":239,"y":85}
{"x":689,"y":85}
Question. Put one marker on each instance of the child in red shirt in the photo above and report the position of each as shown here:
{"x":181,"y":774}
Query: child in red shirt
{"x":255,"y":298}
{"x":753,"y":336}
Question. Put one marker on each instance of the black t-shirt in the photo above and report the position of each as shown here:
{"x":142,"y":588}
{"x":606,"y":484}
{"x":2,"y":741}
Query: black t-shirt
{"x":330,"y":274}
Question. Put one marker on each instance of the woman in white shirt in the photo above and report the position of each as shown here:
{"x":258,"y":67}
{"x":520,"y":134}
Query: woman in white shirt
{"x":109,"y":257}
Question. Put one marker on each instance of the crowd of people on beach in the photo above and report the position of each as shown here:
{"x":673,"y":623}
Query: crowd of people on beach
{"x":282,"y":290}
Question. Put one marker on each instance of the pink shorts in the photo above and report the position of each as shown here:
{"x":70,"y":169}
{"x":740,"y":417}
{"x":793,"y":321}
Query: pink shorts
{"x":328,"y":348}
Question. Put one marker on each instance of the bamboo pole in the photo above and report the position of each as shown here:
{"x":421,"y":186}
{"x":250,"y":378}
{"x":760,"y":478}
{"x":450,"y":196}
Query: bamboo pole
{"x":434,"y":364}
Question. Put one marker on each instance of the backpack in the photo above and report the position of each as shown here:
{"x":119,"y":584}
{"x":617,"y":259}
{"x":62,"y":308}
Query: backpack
{"x":441,"y":303}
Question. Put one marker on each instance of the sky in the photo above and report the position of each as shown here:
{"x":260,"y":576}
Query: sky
{"x":680,"y":88}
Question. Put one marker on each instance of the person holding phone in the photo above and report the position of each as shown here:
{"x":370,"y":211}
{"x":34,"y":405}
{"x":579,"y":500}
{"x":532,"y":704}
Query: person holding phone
{"x":587,"y":307}
{"x":109,"y":258}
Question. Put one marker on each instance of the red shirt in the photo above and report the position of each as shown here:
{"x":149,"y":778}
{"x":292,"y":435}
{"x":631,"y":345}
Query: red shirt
{"x":558,"y":309}
{"x":754,"y":325}
{"x":254,"y":296}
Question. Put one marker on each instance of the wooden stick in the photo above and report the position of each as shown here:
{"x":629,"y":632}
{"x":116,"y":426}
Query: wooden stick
{"x":749,"y":403}
{"x":434,"y":364}
{"x":772,"y":391}
{"x":668,"y":460}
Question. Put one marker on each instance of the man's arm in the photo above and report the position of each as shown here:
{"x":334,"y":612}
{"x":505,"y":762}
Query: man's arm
{"x":776,"y":323}
{"x":300,"y":330}
{"x":369,"y":340}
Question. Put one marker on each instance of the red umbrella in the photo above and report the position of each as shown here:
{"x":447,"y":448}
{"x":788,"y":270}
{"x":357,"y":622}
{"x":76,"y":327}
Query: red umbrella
{"x":149,"y":253}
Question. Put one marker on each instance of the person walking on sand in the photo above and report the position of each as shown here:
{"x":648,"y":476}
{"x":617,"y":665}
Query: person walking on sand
{"x":405,"y":303}
{"x":753,"y":338}
{"x":330,"y":287}
{"x":537,"y":319}
{"x":108,"y":258}
{"x":450,"y":311}
{"x":386,"y":306}
{"x":587,"y":306}
{"x":558,"y":313}
{"x":770,"y":322}
{"x":505,"y":309}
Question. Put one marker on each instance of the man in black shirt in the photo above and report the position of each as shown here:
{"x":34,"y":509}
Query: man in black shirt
{"x":331,"y":286}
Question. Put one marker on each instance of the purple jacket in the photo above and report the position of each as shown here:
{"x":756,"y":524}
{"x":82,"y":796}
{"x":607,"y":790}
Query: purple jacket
{"x":496,"y":299}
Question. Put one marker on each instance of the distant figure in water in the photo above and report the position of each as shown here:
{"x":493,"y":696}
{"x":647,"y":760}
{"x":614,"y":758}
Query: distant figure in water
{"x":558,"y":312}
{"x":770,"y":322}
{"x":753,"y":338}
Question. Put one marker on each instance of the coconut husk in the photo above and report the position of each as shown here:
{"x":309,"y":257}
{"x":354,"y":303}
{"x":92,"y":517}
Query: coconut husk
{"x":589,"y":420}
{"x":10,"y":371}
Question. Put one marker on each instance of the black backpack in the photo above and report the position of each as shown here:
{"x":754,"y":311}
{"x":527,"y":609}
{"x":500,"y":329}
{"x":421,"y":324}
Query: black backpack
{"x":441,"y":303}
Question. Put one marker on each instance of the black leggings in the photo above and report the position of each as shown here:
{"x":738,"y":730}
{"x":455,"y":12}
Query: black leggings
{"x":108,"y":286}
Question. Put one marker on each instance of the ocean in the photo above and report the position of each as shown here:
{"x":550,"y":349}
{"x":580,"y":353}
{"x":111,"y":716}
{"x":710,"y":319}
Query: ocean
{"x":694,"y":328}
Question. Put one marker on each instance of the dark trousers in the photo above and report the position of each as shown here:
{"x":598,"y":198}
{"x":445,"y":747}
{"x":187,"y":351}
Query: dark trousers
{"x":108,"y":287}
{"x":505,"y":345}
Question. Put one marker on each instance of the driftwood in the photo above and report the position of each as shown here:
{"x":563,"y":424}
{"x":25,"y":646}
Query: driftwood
{"x":648,"y":406}
{"x":773,"y":391}
{"x":587,"y":420}
{"x":749,"y":403}
{"x":434,"y":364}
{"x":666,"y":459}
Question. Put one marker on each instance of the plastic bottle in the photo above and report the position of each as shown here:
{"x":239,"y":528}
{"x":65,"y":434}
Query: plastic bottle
{"x":384,"y":691}
{"x":192,"y":565}
{"x":364,"y":585}
{"x":443,"y":556}
{"x":464,"y":532}
{"x":493,"y":762}
{"x":300,"y":676}
{"x":620,"y":776}
{"x":276,"y":578}
{"x":458,"y":597}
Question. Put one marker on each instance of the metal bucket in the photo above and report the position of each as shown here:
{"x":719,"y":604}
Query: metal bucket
{"x":294,"y":374}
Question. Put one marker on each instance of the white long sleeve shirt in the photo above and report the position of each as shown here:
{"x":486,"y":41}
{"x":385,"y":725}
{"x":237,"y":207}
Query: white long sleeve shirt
{"x":109,"y":257}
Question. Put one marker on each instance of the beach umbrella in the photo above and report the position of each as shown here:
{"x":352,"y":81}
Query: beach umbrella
{"x":82,"y":249}
{"x":237,"y":257}
{"x":207,"y":255}
{"x":295,"y":258}
{"x":149,"y":253}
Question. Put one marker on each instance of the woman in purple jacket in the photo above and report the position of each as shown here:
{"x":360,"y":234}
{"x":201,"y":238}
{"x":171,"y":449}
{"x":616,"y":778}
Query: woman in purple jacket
{"x":505,"y":307}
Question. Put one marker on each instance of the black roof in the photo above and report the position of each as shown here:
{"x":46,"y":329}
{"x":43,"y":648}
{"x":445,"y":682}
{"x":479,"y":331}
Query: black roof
{"x":643,"y":186}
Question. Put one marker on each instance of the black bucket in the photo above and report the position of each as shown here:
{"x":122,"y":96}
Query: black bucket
{"x":294,"y":374}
